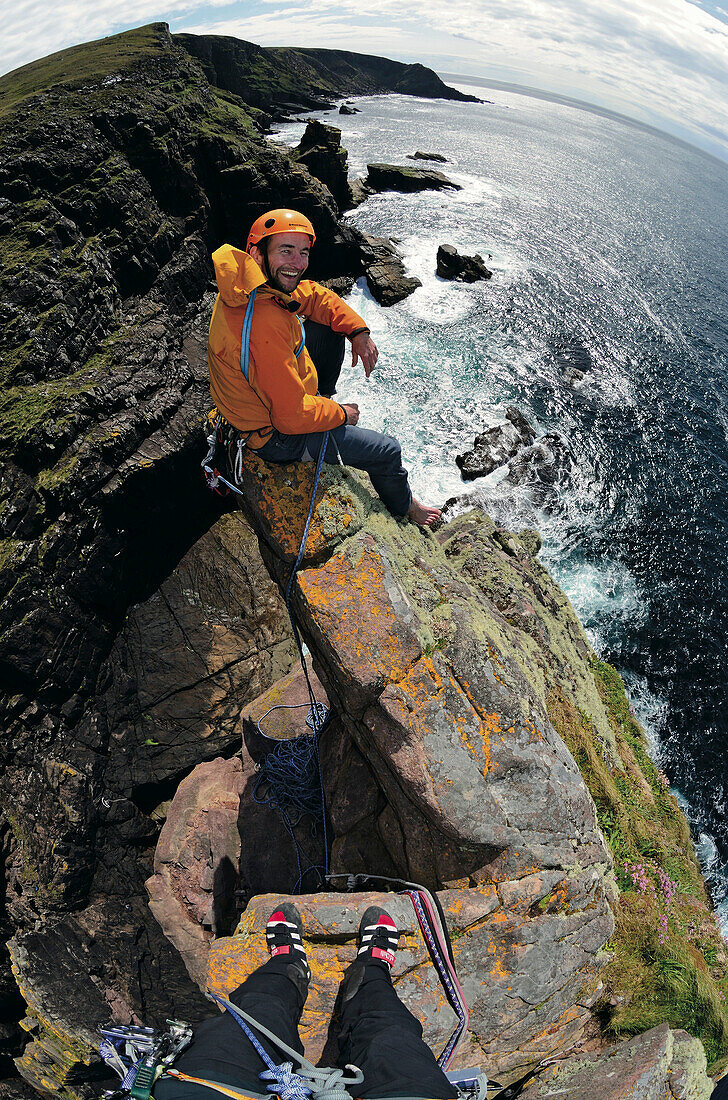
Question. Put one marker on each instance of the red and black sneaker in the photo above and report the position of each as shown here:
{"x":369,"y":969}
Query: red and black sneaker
{"x":283,"y":934}
{"x":378,"y":936}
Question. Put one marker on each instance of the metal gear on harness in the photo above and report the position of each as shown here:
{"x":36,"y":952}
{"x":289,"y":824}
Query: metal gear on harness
{"x":139,"y":1055}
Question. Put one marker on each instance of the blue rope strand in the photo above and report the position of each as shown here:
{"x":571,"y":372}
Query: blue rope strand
{"x":292,"y":770}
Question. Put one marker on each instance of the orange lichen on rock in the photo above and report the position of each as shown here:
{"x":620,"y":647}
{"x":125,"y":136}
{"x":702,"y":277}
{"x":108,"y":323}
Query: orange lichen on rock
{"x":278,"y":499}
{"x":349,"y":607}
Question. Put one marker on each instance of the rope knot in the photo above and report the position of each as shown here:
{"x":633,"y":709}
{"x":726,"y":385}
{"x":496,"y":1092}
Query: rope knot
{"x":287,"y":1084}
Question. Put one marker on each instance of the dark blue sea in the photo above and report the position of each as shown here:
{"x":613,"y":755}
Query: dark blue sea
{"x":609,"y":247}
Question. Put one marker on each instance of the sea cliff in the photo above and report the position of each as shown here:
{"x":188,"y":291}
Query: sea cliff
{"x":480,"y":746}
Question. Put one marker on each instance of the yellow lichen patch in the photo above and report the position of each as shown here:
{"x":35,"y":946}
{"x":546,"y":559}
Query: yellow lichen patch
{"x":429,"y":697}
{"x":349,"y":605}
{"x":279,"y":497}
{"x":497,"y":971}
{"x":232,"y":959}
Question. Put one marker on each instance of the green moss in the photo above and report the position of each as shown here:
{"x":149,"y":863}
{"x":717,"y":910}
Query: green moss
{"x":663,"y":950}
{"x":9,"y":551}
{"x":25,"y":409}
{"x":92,"y":61}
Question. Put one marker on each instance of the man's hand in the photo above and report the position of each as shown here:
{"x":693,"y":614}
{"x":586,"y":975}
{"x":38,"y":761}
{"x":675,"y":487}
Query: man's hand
{"x":352,"y":414}
{"x":364,"y":348}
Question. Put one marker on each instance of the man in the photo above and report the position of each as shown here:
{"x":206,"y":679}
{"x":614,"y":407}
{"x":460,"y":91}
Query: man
{"x":277,"y":406}
{"x":378,"y":1034}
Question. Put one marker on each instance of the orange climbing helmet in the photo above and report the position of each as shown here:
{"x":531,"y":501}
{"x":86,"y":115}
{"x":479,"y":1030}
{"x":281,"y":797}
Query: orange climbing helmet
{"x":279,"y":221}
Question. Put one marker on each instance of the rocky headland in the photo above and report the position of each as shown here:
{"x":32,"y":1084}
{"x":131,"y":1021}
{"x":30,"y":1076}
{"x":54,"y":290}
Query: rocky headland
{"x":479,"y":746}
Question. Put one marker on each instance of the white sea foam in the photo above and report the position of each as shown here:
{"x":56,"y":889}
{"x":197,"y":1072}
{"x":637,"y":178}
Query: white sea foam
{"x":586,"y":247}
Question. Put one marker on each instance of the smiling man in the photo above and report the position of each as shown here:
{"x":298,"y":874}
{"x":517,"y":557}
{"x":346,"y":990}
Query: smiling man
{"x":263,"y":379}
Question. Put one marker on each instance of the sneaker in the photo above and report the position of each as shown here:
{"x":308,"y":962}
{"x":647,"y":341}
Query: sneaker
{"x":283,"y":935}
{"x":378,"y":936}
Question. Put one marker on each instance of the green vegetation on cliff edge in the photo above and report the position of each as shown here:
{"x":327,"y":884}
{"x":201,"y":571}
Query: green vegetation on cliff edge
{"x":669,"y":958}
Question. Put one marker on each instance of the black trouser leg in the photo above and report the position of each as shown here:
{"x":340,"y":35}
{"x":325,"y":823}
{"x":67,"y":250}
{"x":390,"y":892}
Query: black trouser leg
{"x":221,"y":1051}
{"x":382,"y":1037}
{"x":326,"y":348}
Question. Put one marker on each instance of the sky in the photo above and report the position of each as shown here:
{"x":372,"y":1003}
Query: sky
{"x":661,"y":62}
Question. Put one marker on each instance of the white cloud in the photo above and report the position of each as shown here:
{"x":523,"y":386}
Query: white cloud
{"x":660,"y":61}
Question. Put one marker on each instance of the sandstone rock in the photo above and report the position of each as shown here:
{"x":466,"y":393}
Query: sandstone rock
{"x":218,"y":844}
{"x":659,"y":1064}
{"x":197,"y":862}
{"x":320,"y":150}
{"x":457,"y":778}
{"x":466,"y":269}
{"x":273,"y":709}
{"x":348,"y":109}
{"x":496,"y":446}
{"x":394,"y":177}
{"x":330,"y":923}
{"x":427,"y":156}
{"x":385,"y":271}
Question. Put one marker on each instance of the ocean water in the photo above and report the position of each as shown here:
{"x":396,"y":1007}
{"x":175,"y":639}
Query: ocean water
{"x":609,"y":248}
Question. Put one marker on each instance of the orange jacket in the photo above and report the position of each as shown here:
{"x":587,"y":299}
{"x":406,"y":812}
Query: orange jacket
{"x":281,"y":389}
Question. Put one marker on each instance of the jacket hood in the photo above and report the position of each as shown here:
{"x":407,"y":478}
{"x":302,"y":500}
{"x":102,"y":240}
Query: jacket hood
{"x":236,"y":273}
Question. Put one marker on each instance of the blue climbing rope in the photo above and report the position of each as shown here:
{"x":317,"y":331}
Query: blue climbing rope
{"x":290,"y":779}
{"x":443,"y":971}
{"x":310,"y":1081}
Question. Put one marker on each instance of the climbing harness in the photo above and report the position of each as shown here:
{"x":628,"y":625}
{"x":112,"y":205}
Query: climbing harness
{"x":139,"y":1055}
{"x":317,"y":1082}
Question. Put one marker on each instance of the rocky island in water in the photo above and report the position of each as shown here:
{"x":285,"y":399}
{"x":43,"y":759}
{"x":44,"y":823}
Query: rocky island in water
{"x":478,"y":745}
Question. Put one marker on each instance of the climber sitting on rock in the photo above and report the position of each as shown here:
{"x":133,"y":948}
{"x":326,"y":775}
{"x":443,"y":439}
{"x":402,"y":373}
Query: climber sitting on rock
{"x":262,"y":376}
{"x":378,"y":1034}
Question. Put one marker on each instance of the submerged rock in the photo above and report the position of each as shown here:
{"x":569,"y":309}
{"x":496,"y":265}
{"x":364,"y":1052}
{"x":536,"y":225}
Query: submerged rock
{"x":427,"y":156}
{"x":394,"y":177}
{"x":542,"y":464}
{"x":466,"y":269}
{"x":348,"y":109}
{"x":537,"y":463}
